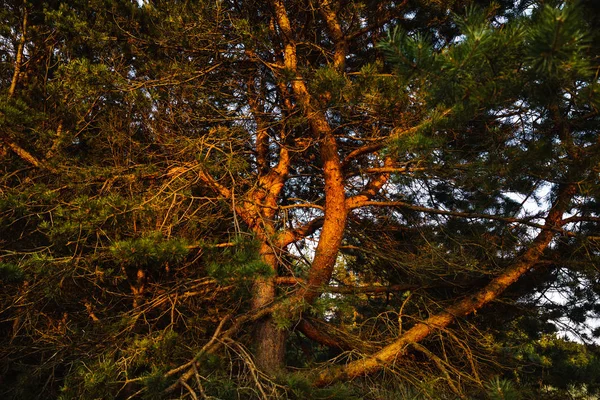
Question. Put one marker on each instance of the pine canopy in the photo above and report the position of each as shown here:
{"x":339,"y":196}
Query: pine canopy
{"x":299,"y":199}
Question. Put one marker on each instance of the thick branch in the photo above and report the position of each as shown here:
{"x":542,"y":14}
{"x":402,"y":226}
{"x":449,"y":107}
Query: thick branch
{"x":372,"y":188}
{"x":19,"y":56}
{"x":299,"y":233}
{"x":461,"y":308}
{"x":22,"y":153}
{"x":580,"y":219}
{"x":335,"y":31}
{"x":310,"y":331}
{"x":332,"y":336}
{"x":272,"y":183}
{"x":371,"y":289}
{"x":371,"y":148}
{"x":249,"y":215}
{"x":212,"y":182}
{"x":262,"y":135}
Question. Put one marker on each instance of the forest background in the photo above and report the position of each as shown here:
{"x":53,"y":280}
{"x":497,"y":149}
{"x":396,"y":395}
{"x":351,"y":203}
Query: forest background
{"x":299,"y":199}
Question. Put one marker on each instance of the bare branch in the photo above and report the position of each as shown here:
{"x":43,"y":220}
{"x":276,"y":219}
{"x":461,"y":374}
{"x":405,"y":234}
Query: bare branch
{"x":580,"y":219}
{"x":397,"y":12}
{"x":331,"y":336}
{"x":216,"y":186}
{"x":371,"y":289}
{"x":401,"y":204}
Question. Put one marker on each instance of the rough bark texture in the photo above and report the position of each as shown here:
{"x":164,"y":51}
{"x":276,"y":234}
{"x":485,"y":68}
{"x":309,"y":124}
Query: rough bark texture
{"x":269,"y":339}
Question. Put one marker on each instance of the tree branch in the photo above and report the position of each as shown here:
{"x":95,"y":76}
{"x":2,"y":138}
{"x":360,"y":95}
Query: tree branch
{"x":372,"y":188}
{"x":580,"y":219}
{"x":19,"y":55}
{"x":461,"y":308}
{"x":291,"y":236}
{"x":331,"y":336}
{"x":379,"y":23}
{"x":216,"y":186}
{"x":401,"y":204}
{"x":335,"y":31}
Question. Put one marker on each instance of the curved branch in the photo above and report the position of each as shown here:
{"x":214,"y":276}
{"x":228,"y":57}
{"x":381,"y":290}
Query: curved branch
{"x":371,"y":148}
{"x":310,"y":331}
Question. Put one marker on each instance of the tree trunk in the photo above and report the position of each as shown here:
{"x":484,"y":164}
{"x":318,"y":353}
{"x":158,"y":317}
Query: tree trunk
{"x":269,"y":339}
{"x":269,"y":354}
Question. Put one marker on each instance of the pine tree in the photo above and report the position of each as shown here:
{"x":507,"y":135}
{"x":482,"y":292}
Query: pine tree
{"x":197,"y":191}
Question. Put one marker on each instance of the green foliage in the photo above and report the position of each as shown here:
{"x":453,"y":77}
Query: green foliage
{"x":151,"y":251}
{"x":154,"y":383}
{"x":300,"y":387}
{"x":568,"y":363}
{"x":16,"y":113}
{"x":10,"y":273}
{"x":417,"y":143}
{"x":283,"y":317}
{"x":501,"y":389}
{"x":238,"y":262}
{"x":151,"y":350}
{"x":83,"y":217}
{"x":223,"y":388}
{"x":410,"y":54}
{"x":99,"y":379}
{"x":84,"y":79}
{"x":558,"y":42}
{"x":328,"y":82}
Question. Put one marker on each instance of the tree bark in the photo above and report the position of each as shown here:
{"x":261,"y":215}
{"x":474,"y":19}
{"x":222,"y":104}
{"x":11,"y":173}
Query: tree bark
{"x":19,"y":56}
{"x":268,"y":337}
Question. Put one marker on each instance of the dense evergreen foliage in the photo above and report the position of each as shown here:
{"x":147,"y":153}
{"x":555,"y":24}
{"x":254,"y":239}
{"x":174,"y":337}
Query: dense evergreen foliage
{"x":299,"y":199}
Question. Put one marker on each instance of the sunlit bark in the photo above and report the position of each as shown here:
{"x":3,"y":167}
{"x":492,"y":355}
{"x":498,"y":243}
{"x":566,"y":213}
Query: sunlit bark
{"x":19,"y":55}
